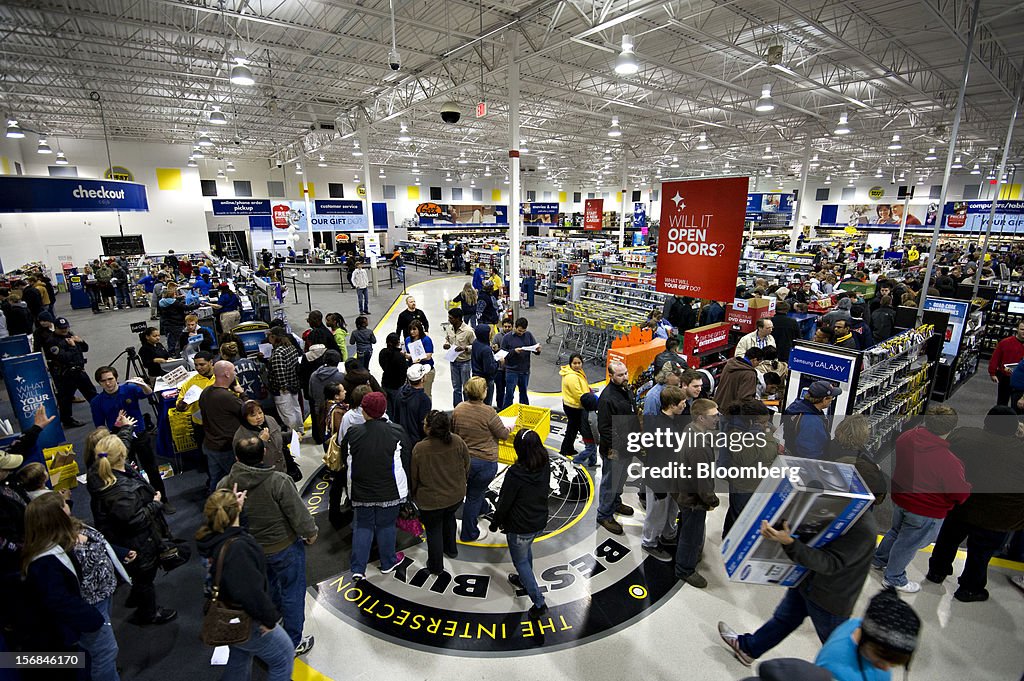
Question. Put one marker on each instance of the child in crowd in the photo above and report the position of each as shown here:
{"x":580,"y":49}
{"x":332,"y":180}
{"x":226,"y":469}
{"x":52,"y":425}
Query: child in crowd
{"x":364,"y":340}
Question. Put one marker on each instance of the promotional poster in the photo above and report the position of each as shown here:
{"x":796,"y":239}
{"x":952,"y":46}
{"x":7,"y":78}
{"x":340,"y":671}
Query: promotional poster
{"x":959,"y":311}
{"x":28,"y":384}
{"x":701,"y":237}
{"x":593,"y":212}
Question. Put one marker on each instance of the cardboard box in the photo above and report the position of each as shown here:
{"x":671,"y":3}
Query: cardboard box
{"x":705,"y":339}
{"x":825,"y":501}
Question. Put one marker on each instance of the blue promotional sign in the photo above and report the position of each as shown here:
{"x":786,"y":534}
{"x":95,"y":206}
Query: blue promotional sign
{"x":769,"y":203}
{"x":959,"y":311}
{"x":639,"y":216}
{"x":534,"y":208}
{"x":241,"y":206}
{"x":28,"y":385}
{"x":14,"y":346}
{"x":338,"y":207}
{"x":339,"y":215}
{"x":821,"y":364}
{"x":972,"y":216}
{"x":19,"y":194}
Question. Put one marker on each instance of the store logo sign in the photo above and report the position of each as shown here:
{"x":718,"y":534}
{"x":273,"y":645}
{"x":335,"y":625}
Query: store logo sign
{"x":876,"y":193}
{"x":119,"y":173}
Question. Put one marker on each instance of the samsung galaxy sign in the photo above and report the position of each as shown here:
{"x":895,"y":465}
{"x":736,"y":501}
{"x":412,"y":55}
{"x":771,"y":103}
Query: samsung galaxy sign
{"x":69,"y":195}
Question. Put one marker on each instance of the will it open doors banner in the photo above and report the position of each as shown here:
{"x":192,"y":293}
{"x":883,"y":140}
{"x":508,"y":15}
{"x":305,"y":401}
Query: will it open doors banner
{"x":701,"y":237}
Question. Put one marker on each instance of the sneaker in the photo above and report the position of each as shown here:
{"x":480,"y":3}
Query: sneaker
{"x":1017,"y":581}
{"x":935,"y":578}
{"x":622,"y":509}
{"x":358,"y":576}
{"x":514,"y":580}
{"x":965,"y":596}
{"x":399,"y":557}
{"x":910,"y":587}
{"x":696,"y":580}
{"x":612,"y":525}
{"x":668,"y":543}
{"x":537,"y":612}
{"x":878,"y":566}
{"x":305,"y":645}
{"x":658,"y":553}
{"x":732,"y":639}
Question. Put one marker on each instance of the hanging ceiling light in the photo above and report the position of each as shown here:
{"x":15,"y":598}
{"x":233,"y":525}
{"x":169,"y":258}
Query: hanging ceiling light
{"x":878,"y":173}
{"x":381,"y":174}
{"x":931,"y":155}
{"x":853,"y":166}
{"x":221,"y":175}
{"x":418,"y":181}
{"x":403,"y":133}
{"x":813,"y":162}
{"x":976,"y":170}
{"x":462,"y":158}
{"x":991,"y":174}
{"x":230,"y":167}
{"x":615,"y":130}
{"x":768,"y":173}
{"x":728,"y":165}
{"x":506,"y":180}
{"x":321,"y":163}
{"x":828,"y":179}
{"x":895,"y":144}
{"x":355,"y":149}
{"x":61,"y":159}
{"x":851,"y":181}
{"x":920,"y":180}
{"x":702,"y":143}
{"x":843,"y":128}
{"x":298,"y":168}
{"x":522,"y":146}
{"x":764,"y":102}
{"x":14,"y":130}
{"x":487,"y":171}
{"x":957,"y":163}
{"x":472,"y":182}
{"x":355,"y":177}
{"x":43,"y":147}
{"x":540,"y":163}
{"x":192,"y":162}
{"x":674,"y":163}
{"x":197,"y":152}
{"x":767,"y":152}
{"x":217,"y":117}
{"x":607,"y":155}
{"x":240,"y":73}
{"x":626,"y":64}
{"x":204,"y":140}
{"x":415,"y":168}
{"x":448,"y":177}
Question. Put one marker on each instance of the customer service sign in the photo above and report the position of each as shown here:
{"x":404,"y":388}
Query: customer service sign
{"x":701,"y":237}
{"x":19,"y":194}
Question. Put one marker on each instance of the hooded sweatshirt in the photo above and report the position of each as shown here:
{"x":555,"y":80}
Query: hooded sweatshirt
{"x":574,"y":386}
{"x":243,"y":581}
{"x":481,"y":355}
{"x":927,"y":478}
{"x":523,"y":501}
{"x":737,"y":382}
{"x":275,"y":512}
{"x":320,"y":379}
{"x":413,"y":405}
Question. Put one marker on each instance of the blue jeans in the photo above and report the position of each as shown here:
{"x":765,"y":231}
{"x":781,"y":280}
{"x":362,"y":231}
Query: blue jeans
{"x":374,"y":522}
{"x":909,"y":533}
{"x":520,"y":547}
{"x":513,"y":380}
{"x":363,"y":296}
{"x":499,"y":389}
{"x":788,"y":616}
{"x":219,"y":464}
{"x":613,"y":479}
{"x":364,"y":359}
{"x":274,"y":648}
{"x":286,"y":574}
{"x":461,"y":372}
{"x":480,"y":475}
{"x":691,"y":540}
{"x":102,"y":647}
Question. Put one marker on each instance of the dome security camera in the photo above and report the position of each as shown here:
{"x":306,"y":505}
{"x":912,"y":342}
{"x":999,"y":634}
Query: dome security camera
{"x":450,"y":113}
{"x":394,"y":61}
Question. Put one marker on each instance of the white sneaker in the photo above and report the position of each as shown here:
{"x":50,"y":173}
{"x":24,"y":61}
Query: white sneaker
{"x":911,"y":587}
{"x":305,"y":645}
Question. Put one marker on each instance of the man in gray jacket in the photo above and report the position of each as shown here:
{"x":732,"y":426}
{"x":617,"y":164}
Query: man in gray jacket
{"x":281,"y":523}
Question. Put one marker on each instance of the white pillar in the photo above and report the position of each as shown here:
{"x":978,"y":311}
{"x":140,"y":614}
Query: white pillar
{"x":514,"y":219}
{"x":801,"y":200}
{"x":622,"y":215}
{"x":364,"y":144}
{"x":309,"y":207}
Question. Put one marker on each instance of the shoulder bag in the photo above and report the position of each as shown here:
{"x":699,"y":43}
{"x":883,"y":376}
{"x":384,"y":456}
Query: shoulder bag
{"x":223,"y":624}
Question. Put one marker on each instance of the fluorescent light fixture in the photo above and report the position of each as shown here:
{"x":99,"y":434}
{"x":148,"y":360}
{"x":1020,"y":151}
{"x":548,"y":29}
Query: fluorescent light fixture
{"x":14,"y":130}
{"x":43,"y":147}
{"x":615,"y":130}
{"x":764,"y":102}
{"x":702,"y":143}
{"x":240,"y":73}
{"x":843,"y":128}
{"x":931,"y":155}
{"x":625,"y":64}
{"x":217,"y":117}
{"x":895,"y":144}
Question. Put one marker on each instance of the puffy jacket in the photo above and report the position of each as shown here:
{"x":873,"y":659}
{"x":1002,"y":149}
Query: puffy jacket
{"x":737,"y":383}
{"x":128,"y":514}
{"x":574,"y":386}
{"x":927,"y":478}
{"x":379,"y":456}
{"x":482,"y":357}
{"x":806,"y":430}
{"x":487,"y":308}
{"x":274,"y":512}
{"x":243,"y":581}
{"x":413,"y":405}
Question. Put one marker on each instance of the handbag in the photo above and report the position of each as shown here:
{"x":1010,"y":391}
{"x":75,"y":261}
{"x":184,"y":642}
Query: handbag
{"x":223,"y":624}
{"x":409,"y":519}
{"x":173,"y":554}
{"x":332,"y":457}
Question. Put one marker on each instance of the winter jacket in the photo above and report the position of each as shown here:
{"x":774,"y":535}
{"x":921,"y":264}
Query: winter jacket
{"x":1008,"y":351}
{"x":274,"y":448}
{"x":243,"y":581}
{"x":439,"y":473}
{"x":574,"y":386}
{"x":883,"y":323}
{"x":487,"y":308}
{"x":321,"y":335}
{"x":994,"y":465}
{"x":379,"y":456}
{"x":927,"y":478}
{"x":666,"y":357}
{"x":862,"y":334}
{"x":363,"y":339}
{"x":1017,"y":379}
{"x":172,"y":313}
{"x":752,"y":456}
{"x":128,"y":514}
{"x":274,"y":512}
{"x":341,"y":338}
{"x":694,"y":490}
{"x":394,"y":366}
{"x":523,"y":500}
{"x":205,"y":345}
{"x":785,"y":330}
{"x":413,"y":405}
{"x":615,"y":401}
{"x":320,"y":379}
{"x":737,"y":382}
{"x":806,"y":430}
{"x":480,"y":428}
{"x":839,"y":568}
{"x":19,"y":318}
{"x":481,"y":356}
{"x":59,"y":615}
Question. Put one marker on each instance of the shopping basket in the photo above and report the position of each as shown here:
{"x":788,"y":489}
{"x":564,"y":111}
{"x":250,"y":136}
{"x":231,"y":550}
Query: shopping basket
{"x":537,"y":419}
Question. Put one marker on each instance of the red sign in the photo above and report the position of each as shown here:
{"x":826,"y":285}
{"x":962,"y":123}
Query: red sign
{"x":701,"y":237}
{"x":705,"y":338}
{"x":279,"y":215}
{"x":956,"y":220}
{"x":746,"y":320}
{"x":593,"y":214}
{"x":481,"y":109}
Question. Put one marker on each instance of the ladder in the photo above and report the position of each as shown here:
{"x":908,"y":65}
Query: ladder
{"x":230,"y":248}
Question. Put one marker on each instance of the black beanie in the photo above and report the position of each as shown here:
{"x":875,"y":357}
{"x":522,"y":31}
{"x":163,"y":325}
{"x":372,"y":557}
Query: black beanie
{"x":891,"y":623}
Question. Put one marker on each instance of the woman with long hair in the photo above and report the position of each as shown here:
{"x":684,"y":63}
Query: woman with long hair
{"x":129,"y":513}
{"x":522,"y":512}
{"x":440,"y":465}
{"x":73,"y":573}
{"x":244,"y":583}
{"x":467,"y":298}
{"x":152,"y":352}
{"x":418,"y":334}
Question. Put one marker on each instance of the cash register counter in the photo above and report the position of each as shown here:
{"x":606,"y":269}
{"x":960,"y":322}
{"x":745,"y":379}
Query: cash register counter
{"x":318,"y":273}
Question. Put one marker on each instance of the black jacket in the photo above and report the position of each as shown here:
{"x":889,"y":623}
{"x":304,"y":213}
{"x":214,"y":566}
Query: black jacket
{"x":244,"y":579}
{"x":19,"y":318}
{"x":482,"y":357}
{"x":355,"y":378}
{"x":59,"y":615}
{"x":523,"y":501}
{"x":839,"y":568}
{"x":12,"y":510}
{"x":33,"y":299}
{"x":785,"y":330}
{"x":883,"y":323}
{"x":128,"y":515}
{"x":680,"y":315}
{"x":172,"y":316}
{"x":379,"y":456}
{"x":65,"y":357}
{"x":392,"y":361}
{"x":413,"y":405}
{"x":321,"y":335}
{"x":666,"y":356}
{"x":615,"y":401}
{"x":407,"y":317}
